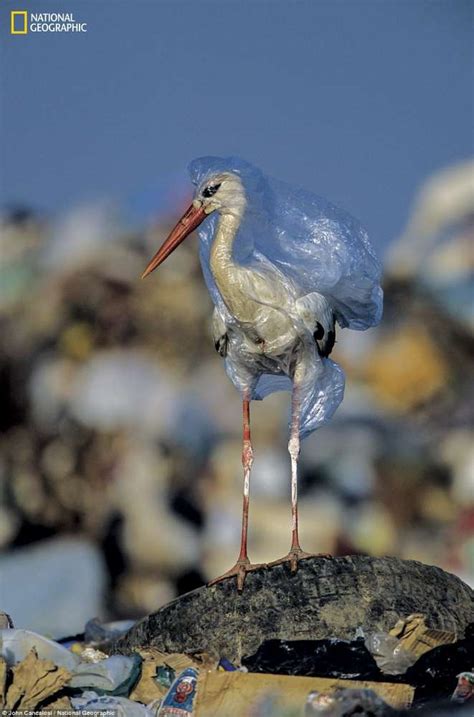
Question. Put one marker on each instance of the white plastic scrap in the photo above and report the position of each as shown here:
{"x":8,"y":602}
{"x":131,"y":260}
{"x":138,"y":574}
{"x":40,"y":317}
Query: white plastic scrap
{"x":15,"y":645}
{"x":389,"y":654}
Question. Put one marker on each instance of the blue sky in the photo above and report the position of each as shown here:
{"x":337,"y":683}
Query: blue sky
{"x":356,"y":100}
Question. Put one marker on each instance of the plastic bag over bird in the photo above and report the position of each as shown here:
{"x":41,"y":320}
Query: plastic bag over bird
{"x":317,"y":247}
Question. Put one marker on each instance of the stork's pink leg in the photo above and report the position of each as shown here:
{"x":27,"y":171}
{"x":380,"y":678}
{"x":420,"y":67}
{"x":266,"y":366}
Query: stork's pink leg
{"x":296,"y":553}
{"x":243,"y":564}
{"x":294,"y":451}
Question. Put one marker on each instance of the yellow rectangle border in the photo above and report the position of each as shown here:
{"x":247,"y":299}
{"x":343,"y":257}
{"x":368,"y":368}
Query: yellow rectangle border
{"x":13,"y":15}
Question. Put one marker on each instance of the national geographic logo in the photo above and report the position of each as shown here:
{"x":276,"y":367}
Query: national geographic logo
{"x":22,"y":22}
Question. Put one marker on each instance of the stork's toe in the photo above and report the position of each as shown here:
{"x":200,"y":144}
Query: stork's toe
{"x":239,"y":571}
{"x":295,"y":555}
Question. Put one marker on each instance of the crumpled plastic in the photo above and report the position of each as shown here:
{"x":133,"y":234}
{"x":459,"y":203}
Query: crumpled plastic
{"x":90,"y":702}
{"x":389,"y":653}
{"x":115,"y":675}
{"x":311,"y":248}
{"x":16,"y":644}
{"x":464,"y":691}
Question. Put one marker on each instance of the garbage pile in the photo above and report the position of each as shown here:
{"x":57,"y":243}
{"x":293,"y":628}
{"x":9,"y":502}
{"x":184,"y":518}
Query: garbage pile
{"x":411,"y":669}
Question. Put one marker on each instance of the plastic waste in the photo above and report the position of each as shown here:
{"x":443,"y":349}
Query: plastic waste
{"x":314,"y":658}
{"x":88,"y":654}
{"x":389,"y":653}
{"x":226,"y":665}
{"x":91,"y":702}
{"x":115,"y":675}
{"x":165,"y":675}
{"x":16,"y":644}
{"x":179,"y":700}
{"x":464,"y":691}
{"x":435,"y":673}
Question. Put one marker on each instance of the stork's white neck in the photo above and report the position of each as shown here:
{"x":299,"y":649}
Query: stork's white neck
{"x":223,"y":266}
{"x":224,"y":238}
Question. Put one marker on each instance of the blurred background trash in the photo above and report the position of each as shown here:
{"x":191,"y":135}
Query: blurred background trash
{"x":69,"y":581}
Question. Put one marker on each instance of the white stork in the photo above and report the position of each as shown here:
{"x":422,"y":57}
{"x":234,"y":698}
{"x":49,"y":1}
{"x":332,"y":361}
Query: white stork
{"x":282,"y":267}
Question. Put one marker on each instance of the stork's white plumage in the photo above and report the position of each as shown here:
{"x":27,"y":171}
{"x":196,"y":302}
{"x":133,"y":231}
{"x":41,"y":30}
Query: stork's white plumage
{"x":282,"y":266}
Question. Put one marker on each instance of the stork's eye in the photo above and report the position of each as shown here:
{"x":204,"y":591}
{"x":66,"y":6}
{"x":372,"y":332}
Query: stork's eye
{"x":210,"y":190}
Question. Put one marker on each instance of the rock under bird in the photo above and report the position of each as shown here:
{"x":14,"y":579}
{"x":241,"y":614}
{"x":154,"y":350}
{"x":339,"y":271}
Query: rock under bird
{"x":284,"y":268}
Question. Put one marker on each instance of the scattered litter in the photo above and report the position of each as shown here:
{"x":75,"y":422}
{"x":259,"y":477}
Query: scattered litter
{"x":231,"y":693}
{"x":226,"y":665}
{"x":464,"y":691}
{"x":399,"y":649}
{"x":331,"y":678}
{"x":179,"y":701}
{"x":122,"y":706}
{"x":88,"y":654}
{"x":115,"y":675}
{"x":34,"y":681}
{"x":416,"y":637}
{"x":389,"y":654}
{"x":314,"y":658}
{"x":15,"y":645}
{"x":159,"y":671}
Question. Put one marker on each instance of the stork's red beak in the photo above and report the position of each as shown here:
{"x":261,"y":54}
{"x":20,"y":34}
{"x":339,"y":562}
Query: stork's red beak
{"x":191,"y":219}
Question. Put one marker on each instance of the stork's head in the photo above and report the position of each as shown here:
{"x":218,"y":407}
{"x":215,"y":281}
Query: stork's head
{"x":222,"y":192}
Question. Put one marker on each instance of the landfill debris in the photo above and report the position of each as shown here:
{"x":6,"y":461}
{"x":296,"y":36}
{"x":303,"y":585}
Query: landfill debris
{"x":15,"y":645}
{"x":88,"y":654}
{"x":332,"y":677}
{"x":416,"y":637}
{"x":73,"y":561}
{"x":121,"y":706}
{"x":434,"y":674}
{"x":62,"y":703}
{"x":464,"y":691}
{"x":344,"y":702}
{"x":179,"y":702}
{"x":389,"y":654}
{"x":231,"y":693}
{"x":159,"y":671}
{"x":115,"y":675}
{"x":315,"y":658}
{"x":399,"y":649}
{"x":226,"y":665}
{"x":34,"y":681}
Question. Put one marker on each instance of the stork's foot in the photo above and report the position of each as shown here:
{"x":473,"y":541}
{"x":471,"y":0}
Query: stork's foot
{"x":295,"y":555}
{"x":239,"y":571}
